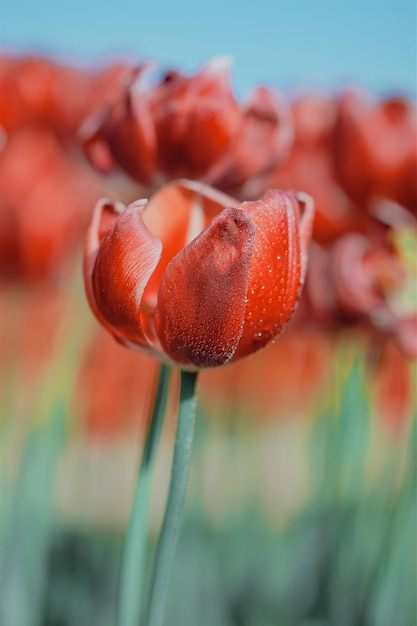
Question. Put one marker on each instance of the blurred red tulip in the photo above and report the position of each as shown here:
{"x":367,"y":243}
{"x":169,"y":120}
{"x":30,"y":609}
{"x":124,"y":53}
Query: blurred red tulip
{"x":363,"y":274}
{"x":122,"y":132}
{"x":310,"y":167}
{"x":262,"y":140}
{"x":376,"y":149}
{"x":40,"y":91}
{"x":355,"y":281}
{"x":194,"y":283}
{"x":105,"y":81}
{"x":283,"y":381}
{"x":189,"y":127}
{"x":44,"y":197}
{"x":36,"y":90}
{"x":195,"y":119}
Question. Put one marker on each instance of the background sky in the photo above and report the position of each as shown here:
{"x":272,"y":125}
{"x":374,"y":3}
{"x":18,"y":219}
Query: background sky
{"x":291,"y":44}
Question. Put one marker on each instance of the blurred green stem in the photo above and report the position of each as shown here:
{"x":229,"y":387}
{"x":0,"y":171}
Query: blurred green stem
{"x":134,"y":552}
{"x":176,"y":497}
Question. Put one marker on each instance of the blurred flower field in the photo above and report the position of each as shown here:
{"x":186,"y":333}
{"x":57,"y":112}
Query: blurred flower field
{"x":301,"y":506}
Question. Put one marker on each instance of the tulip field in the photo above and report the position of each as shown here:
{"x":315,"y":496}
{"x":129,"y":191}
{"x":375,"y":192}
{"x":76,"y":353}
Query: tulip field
{"x":208,"y":348}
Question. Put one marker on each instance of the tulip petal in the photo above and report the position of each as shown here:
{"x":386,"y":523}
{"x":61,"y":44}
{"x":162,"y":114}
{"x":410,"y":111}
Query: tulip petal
{"x":277,"y":267}
{"x":132,"y":138}
{"x":105,"y":213}
{"x":202,"y":297}
{"x":375,"y":149}
{"x":94,"y":144}
{"x":263,"y":139}
{"x":118,"y":266}
{"x":194,"y":118}
{"x":306,"y":206}
{"x":176,"y":214}
{"x":123,"y":133}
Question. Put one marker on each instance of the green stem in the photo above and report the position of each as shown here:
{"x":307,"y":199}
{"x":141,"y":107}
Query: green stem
{"x":134,"y":551}
{"x":176,"y":497}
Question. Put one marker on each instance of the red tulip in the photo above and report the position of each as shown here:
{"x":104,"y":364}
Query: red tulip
{"x":376,"y":149}
{"x":39,"y":91}
{"x":362,"y":280}
{"x":157,"y":133}
{"x":262,"y":140}
{"x":310,"y":167}
{"x":194,"y":283}
{"x":122,"y":132}
{"x":300,"y":361}
{"x":191,"y":112}
{"x":44,"y":194}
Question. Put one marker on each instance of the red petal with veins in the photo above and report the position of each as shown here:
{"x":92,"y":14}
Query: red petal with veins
{"x":121,"y":255}
{"x":277,"y":266}
{"x":202,"y":298}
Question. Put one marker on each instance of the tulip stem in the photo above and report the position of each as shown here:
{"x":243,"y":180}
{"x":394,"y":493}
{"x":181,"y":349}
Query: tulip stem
{"x":132,"y":574}
{"x":175,"y":503}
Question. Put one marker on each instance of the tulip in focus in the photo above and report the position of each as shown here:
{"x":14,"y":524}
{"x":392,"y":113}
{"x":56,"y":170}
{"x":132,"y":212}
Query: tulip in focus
{"x":191,"y":282}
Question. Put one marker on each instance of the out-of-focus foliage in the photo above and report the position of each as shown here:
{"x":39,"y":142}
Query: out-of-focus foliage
{"x":342,"y":555}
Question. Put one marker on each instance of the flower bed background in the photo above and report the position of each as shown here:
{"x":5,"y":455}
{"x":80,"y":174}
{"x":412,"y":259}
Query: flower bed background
{"x":301,"y":507}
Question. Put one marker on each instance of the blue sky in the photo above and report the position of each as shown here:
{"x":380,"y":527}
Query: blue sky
{"x":288,"y":43}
